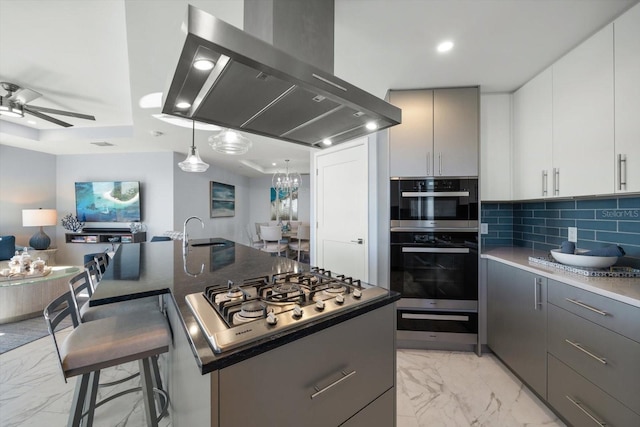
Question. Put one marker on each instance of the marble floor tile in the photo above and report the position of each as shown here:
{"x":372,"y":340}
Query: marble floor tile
{"x":457,"y":389}
{"x":434,"y":388}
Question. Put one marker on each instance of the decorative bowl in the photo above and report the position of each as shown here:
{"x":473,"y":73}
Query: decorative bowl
{"x":579,"y":260}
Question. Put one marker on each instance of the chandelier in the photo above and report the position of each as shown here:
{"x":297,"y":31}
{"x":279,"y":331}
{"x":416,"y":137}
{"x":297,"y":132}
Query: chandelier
{"x":288,"y":182}
{"x":193,"y":162}
{"x":228,"y":141}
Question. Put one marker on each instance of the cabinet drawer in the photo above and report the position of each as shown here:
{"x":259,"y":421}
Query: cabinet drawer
{"x":583,"y":404}
{"x":603,"y":357}
{"x":617,"y":316}
{"x":380,"y":413}
{"x":319,"y":380}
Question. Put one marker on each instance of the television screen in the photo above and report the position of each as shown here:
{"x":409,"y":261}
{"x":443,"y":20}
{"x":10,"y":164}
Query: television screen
{"x":109,"y":201}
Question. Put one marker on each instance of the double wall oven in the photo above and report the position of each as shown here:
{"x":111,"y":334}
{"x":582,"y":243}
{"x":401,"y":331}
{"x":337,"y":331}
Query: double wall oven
{"x":434,"y":259}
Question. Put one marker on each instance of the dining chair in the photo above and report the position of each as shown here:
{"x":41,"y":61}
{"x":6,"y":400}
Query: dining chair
{"x":303,"y":243}
{"x":258,"y":225}
{"x":254,"y":241}
{"x":271,"y":237}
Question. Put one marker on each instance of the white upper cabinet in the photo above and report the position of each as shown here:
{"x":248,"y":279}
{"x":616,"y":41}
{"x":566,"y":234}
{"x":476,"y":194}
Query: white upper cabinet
{"x":495,"y":147}
{"x":411,"y":142}
{"x":439,"y":134}
{"x":456,"y":131}
{"x":583,"y":109}
{"x":627,"y":101}
{"x":532,"y":138}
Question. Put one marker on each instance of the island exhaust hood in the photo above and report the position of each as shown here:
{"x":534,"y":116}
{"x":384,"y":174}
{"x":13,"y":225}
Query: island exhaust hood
{"x":258,"y":88}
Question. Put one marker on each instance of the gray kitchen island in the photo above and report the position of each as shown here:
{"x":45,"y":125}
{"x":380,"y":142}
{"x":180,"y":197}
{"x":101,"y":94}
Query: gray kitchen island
{"x":331,"y":370}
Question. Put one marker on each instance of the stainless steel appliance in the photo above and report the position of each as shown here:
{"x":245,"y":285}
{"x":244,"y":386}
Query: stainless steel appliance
{"x":232,"y":315}
{"x":434,"y":259}
{"x":256,"y":87}
{"x":434,"y":203}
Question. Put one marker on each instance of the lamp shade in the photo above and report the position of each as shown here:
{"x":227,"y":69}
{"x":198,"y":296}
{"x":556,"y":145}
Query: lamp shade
{"x":39,"y":217}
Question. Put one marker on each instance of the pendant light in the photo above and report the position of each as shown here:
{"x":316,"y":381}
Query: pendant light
{"x":228,"y":141}
{"x":193,"y":162}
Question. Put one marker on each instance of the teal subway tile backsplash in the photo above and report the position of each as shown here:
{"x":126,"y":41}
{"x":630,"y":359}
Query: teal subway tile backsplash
{"x":543,"y":224}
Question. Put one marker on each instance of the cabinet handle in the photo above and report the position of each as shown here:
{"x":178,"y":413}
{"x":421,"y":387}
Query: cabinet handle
{"x":556,"y":181}
{"x":588,"y":307}
{"x":428,"y":163}
{"x":537,"y":288}
{"x":439,"y":163}
{"x":587,"y":413}
{"x":544,"y":182}
{"x":584,"y":350}
{"x":622,"y":176}
{"x":338,"y":381}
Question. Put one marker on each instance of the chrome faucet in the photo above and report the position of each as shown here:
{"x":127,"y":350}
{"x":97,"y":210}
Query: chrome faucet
{"x":185,"y":237}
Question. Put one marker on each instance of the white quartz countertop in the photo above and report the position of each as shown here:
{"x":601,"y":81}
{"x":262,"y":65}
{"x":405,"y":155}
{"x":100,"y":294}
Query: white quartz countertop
{"x":625,"y":290}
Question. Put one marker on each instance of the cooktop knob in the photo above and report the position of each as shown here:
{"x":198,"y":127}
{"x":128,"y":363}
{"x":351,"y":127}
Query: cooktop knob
{"x":357,"y":293}
{"x":320,"y":305}
{"x":297,"y":311}
{"x":339,"y":299}
{"x":271,"y":318}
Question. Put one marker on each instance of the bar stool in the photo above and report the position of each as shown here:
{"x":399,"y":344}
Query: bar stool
{"x":104,"y":343}
{"x":91,"y":267}
{"x":103,"y":262}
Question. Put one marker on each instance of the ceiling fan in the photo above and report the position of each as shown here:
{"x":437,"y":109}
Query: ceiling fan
{"x":16,"y":102}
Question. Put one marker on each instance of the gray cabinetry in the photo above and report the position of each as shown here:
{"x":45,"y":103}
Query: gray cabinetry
{"x":439,"y":134}
{"x":581,"y":403}
{"x":596,"y":341}
{"x":320,"y":380}
{"x":517,"y":322}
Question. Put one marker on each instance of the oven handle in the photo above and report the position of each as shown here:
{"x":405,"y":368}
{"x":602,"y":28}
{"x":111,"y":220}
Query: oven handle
{"x":435,"y":317}
{"x":435,"y":194}
{"x":437,"y":250}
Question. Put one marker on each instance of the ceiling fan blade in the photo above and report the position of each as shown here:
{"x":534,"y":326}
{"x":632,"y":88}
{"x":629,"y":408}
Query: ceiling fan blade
{"x":61,"y":112}
{"x":25,"y":95}
{"x":45,"y":117}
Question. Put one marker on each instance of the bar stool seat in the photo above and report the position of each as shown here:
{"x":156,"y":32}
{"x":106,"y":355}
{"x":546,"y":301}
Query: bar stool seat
{"x":105,"y":343}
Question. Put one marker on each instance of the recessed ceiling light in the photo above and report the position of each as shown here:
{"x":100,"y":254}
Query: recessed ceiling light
{"x":445,"y":46}
{"x":183,"y":105}
{"x":151,"y":100}
{"x":327,"y":141}
{"x":203,"y":64}
{"x":371,"y":125}
{"x":273,"y":164}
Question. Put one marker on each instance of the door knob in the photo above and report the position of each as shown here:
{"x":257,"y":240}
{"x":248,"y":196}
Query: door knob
{"x":359,"y":241}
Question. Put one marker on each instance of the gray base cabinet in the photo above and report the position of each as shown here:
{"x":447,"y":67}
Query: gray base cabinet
{"x":325,"y":379}
{"x":517,"y":322}
{"x":590,"y":344}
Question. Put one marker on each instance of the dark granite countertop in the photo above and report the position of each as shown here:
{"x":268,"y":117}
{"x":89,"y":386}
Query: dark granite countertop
{"x":146,"y":269}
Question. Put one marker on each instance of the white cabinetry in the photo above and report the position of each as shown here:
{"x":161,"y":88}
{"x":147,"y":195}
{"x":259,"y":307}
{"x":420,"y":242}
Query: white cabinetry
{"x":495,"y":147}
{"x":583,"y":108}
{"x":439,"y":134}
{"x":532,"y":141}
{"x":627,"y":100}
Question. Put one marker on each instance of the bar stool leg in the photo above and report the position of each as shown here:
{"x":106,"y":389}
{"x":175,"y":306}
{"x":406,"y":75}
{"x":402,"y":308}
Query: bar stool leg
{"x":90,"y":401}
{"x":157,"y":383}
{"x":147,"y":392}
{"x":79,"y":400}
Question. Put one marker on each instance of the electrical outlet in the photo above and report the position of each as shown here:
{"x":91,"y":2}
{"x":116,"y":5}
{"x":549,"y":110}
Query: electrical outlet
{"x":484,"y":228}
{"x":573,"y":234}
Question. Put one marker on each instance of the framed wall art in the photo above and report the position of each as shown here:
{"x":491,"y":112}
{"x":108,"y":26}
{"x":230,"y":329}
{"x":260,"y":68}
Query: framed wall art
{"x":223,"y":199}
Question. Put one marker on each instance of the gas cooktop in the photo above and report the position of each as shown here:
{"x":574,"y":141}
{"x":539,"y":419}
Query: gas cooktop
{"x":233,"y":315}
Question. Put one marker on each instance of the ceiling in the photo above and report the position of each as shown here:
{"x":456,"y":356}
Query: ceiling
{"x":100,"y":57}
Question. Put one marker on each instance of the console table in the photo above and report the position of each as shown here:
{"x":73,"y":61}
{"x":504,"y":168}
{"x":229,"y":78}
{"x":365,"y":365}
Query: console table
{"x":26,"y":297}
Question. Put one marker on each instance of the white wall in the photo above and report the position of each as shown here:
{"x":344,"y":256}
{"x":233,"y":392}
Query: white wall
{"x":27,"y":181}
{"x":153,"y":170}
{"x":192,"y":198}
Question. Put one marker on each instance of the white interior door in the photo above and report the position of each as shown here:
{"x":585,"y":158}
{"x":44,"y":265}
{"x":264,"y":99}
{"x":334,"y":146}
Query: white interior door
{"x":342,"y":217}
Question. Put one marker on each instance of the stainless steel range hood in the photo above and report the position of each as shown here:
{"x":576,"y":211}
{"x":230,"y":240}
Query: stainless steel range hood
{"x":258,"y":88}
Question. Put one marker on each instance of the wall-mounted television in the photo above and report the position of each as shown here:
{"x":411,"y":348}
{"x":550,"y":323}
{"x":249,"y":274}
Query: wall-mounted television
{"x":108,"y":201}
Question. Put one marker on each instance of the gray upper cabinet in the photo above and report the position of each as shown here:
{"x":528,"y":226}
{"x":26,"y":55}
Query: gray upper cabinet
{"x":439,"y":134}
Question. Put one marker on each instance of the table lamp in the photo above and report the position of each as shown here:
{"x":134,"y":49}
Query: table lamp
{"x":39,"y":218}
